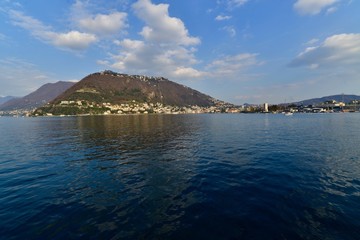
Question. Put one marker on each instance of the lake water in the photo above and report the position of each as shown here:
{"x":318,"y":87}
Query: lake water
{"x":222,"y":176}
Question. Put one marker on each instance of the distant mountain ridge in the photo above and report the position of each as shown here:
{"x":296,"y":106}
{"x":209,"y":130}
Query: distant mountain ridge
{"x":5,"y":99}
{"x":338,"y":98}
{"x":116,"y":88}
{"x":37,"y":98}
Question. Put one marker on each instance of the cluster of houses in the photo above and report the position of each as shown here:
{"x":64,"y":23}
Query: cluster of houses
{"x":325,"y":107}
{"x":331,"y":106}
{"x":17,"y":112}
{"x":134,"y":107}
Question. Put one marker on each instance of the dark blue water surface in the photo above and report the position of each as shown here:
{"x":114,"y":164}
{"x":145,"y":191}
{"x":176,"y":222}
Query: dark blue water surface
{"x":181,"y":177}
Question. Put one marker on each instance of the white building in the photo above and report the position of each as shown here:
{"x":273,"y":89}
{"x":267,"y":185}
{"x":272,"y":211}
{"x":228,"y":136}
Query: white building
{"x":266,"y":107}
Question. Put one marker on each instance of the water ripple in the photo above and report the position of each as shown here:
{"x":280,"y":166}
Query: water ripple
{"x":180,"y":177}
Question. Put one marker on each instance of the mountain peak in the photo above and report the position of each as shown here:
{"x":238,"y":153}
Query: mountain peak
{"x":108,"y":87}
{"x":117,"y":88}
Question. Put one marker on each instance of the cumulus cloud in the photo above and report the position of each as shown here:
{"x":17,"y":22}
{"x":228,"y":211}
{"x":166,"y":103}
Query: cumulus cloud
{"x":148,"y":58}
{"x":73,"y":40}
{"x":166,"y":47}
{"x":313,"y":7}
{"x":161,"y":27}
{"x":337,"y":50}
{"x":103,"y":24}
{"x":86,"y":29}
{"x":188,"y":72}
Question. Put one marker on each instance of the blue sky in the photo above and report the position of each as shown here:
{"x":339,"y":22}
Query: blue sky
{"x":240,"y":51}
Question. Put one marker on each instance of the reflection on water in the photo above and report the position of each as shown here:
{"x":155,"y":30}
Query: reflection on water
{"x":181,"y":177}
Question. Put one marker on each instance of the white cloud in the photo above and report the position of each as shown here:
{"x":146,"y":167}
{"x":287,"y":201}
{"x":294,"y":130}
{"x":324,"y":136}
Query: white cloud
{"x":233,"y":65}
{"x":103,"y":62}
{"x":188,"y":72}
{"x":79,"y":10}
{"x":103,"y":24}
{"x":72,"y":40}
{"x":72,"y":80}
{"x":166,"y":48}
{"x":155,"y":59}
{"x":313,"y":7}
{"x":86,"y":28}
{"x":162,"y":28}
{"x":336,"y":51}
{"x":222,"y":18}
{"x":130,"y":44}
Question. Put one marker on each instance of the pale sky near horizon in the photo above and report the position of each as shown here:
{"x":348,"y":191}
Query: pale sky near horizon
{"x":240,"y":51}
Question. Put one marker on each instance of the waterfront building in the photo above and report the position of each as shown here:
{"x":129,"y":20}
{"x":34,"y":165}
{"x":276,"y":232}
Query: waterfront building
{"x":266,"y":107}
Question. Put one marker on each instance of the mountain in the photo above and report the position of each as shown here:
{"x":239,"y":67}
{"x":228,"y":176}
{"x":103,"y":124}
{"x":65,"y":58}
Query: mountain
{"x":37,"y":98}
{"x":338,"y":98}
{"x":118,"y":88}
{"x":5,"y":99}
{"x":110,"y":88}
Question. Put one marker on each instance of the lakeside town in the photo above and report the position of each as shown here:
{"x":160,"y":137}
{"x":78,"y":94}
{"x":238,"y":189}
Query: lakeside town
{"x":91,"y":108}
{"x":111,"y":93}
